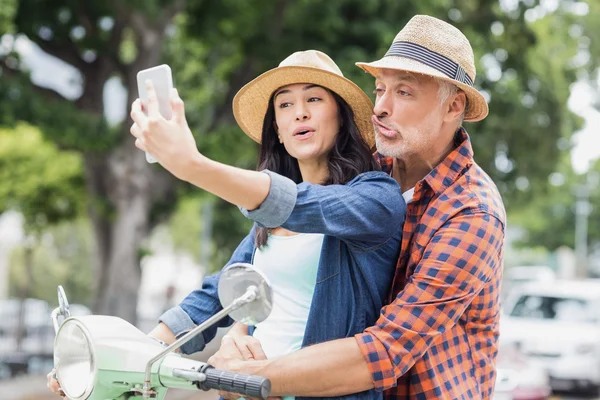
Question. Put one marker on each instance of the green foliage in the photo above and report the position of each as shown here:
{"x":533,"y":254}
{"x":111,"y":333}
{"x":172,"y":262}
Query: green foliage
{"x":528,"y":111}
{"x":550,"y":220}
{"x":8,"y":9}
{"x":59,"y":120}
{"x":230,"y":227}
{"x":185,"y":226}
{"x":67,"y":23}
{"x":39,"y":180}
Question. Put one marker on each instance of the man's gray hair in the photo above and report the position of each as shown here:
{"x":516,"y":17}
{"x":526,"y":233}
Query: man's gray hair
{"x":447,"y":89}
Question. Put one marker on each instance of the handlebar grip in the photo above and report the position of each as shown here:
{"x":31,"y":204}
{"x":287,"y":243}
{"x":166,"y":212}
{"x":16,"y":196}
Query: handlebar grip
{"x":247,"y":385}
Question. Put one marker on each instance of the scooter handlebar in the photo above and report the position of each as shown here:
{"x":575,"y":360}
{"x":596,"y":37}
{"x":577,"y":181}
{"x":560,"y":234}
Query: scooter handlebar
{"x":247,"y":385}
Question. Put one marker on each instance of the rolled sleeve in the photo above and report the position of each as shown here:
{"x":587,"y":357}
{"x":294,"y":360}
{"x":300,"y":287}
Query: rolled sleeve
{"x":278,"y":205}
{"x":180,"y":323}
{"x":378,"y":361}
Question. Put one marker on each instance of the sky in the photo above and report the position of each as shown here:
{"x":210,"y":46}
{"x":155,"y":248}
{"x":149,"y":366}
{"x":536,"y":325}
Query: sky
{"x":587,"y":140}
{"x":50,"y":72}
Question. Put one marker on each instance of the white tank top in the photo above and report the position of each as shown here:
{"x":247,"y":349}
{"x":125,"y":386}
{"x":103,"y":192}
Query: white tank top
{"x":290,"y":263}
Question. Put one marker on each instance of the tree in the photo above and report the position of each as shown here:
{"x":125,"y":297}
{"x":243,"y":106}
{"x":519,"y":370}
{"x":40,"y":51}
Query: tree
{"x":549,"y":220}
{"x":214,"y":48}
{"x":123,"y":189}
{"x":40,"y":181}
{"x":46,"y":185}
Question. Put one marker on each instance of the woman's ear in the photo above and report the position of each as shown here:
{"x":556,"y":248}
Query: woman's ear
{"x":277,"y":132}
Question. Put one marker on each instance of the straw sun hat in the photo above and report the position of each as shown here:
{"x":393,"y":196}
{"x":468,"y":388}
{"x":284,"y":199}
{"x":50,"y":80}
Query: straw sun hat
{"x":311,"y":66}
{"x":430,"y":46}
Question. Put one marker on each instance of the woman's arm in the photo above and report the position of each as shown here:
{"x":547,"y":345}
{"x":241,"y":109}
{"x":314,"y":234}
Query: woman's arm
{"x":244,"y":188}
{"x":365,"y":212}
{"x":162,"y":332}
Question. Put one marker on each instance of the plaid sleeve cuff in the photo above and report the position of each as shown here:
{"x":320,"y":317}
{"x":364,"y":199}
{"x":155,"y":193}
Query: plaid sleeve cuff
{"x":278,"y":205}
{"x":378,"y":361}
{"x":180,"y":323}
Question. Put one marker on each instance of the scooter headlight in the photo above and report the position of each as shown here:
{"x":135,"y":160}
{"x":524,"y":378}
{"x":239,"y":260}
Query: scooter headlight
{"x":74,"y":358}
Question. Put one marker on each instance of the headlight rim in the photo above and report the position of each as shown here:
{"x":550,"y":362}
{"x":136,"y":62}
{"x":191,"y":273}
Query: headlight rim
{"x":93,"y":371}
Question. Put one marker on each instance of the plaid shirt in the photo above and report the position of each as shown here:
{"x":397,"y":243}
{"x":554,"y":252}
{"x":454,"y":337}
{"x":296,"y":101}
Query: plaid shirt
{"x":438,"y":336}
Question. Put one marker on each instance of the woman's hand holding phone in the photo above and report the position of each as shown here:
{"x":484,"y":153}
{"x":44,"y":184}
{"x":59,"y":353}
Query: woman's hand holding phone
{"x":170,"y":141}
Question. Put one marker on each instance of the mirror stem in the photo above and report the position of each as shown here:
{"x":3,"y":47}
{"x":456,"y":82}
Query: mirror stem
{"x":250,"y":295}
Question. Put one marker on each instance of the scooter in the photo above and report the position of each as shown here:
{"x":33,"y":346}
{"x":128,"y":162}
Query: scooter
{"x":101,"y":357}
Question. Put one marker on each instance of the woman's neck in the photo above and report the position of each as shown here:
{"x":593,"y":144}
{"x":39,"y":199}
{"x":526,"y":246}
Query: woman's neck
{"x":314,"y":171}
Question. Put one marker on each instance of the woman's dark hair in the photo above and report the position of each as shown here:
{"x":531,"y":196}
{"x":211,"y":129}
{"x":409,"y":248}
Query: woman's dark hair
{"x":349,"y":157}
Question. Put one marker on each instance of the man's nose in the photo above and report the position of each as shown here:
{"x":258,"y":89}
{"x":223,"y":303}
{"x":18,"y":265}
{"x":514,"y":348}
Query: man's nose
{"x":383,"y":105}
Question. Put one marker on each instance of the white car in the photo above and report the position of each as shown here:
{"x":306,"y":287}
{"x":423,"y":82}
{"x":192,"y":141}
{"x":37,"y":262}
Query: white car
{"x":557,"y":326}
{"x":515,"y":277}
{"x":529,"y":273}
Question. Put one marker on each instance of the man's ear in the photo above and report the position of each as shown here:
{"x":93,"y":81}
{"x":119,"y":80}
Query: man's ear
{"x":457,"y":106}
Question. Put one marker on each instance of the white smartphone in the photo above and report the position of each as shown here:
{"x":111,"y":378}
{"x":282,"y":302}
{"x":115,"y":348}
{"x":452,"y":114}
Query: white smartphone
{"x":162,"y":79}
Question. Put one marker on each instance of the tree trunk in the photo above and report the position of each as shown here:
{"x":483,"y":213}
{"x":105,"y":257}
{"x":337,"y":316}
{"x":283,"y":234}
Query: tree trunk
{"x":130,"y":186}
{"x":120,"y":233}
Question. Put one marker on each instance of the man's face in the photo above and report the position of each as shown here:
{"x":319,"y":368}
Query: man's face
{"x":408,"y":115}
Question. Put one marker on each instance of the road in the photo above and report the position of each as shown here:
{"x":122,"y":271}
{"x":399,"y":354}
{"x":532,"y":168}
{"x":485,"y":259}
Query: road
{"x":34,"y":388}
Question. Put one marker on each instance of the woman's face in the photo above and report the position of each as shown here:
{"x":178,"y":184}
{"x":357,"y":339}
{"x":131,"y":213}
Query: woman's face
{"x":307,"y":121}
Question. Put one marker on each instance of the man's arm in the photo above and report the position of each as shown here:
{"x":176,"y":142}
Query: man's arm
{"x":458,"y":262}
{"x":327,"y":369}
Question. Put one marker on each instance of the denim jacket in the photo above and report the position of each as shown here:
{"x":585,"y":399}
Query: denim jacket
{"x":362,"y":222}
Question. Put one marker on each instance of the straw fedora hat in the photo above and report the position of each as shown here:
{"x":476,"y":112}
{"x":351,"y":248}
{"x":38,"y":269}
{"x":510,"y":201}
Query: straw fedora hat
{"x":311,"y":66}
{"x":430,"y":46}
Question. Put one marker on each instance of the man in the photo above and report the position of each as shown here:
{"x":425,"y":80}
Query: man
{"x":438,"y":336}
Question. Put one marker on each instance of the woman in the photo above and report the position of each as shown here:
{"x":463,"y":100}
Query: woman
{"x":331,"y":258}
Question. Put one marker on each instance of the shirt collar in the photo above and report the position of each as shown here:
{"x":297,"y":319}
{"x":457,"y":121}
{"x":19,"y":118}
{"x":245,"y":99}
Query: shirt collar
{"x":449,"y":170}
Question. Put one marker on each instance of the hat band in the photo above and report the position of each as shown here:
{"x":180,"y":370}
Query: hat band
{"x":430,"y":58}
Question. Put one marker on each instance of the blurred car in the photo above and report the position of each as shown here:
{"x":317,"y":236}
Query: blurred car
{"x":27,"y":335}
{"x":557,"y":326}
{"x":529,"y":273}
{"x":518,"y":276}
{"x":519,"y":379}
